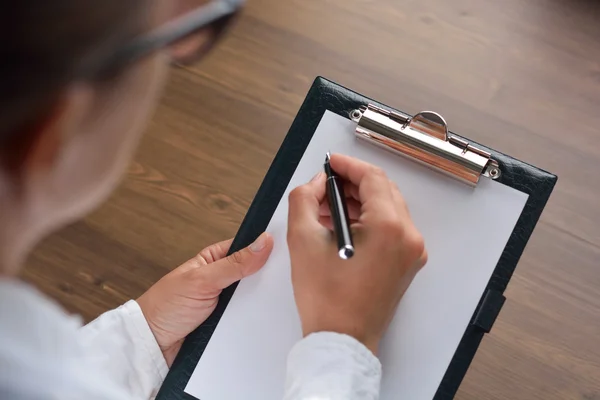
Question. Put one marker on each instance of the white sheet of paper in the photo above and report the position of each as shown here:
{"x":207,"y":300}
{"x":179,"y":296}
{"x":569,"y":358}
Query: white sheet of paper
{"x":465,"y":232}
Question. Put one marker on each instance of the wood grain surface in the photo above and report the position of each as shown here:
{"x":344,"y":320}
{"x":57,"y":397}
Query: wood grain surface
{"x":520,"y":76}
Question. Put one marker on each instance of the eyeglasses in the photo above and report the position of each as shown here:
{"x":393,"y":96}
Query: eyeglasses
{"x":201,"y":28}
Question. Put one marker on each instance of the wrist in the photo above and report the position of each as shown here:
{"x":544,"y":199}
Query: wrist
{"x":168,"y":350}
{"x":369,"y":341}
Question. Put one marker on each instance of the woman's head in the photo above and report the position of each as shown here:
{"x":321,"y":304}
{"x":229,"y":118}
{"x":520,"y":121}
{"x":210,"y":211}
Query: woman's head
{"x":65,"y":138}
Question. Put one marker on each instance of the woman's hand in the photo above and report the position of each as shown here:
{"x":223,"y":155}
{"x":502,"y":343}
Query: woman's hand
{"x":184,"y":298}
{"x":358,"y":296}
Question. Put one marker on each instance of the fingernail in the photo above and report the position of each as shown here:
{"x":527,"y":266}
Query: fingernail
{"x":317,"y":176}
{"x":259,"y":243}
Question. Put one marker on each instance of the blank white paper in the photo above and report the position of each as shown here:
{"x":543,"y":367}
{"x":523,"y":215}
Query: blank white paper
{"x":465,"y":232}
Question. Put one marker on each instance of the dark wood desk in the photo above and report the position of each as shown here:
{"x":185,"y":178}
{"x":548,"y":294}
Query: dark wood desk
{"x":520,"y":76}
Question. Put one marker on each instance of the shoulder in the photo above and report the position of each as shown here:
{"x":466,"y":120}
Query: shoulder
{"x":26,"y":313}
{"x":40,"y":354}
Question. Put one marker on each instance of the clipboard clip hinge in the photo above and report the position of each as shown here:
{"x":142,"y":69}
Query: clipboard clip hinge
{"x":425,"y":138}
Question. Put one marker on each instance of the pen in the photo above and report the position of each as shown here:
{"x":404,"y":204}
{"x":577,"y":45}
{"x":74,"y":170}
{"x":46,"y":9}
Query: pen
{"x":339,"y":211}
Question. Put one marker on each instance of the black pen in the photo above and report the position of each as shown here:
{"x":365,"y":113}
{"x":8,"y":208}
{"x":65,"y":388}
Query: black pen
{"x":339,"y":211}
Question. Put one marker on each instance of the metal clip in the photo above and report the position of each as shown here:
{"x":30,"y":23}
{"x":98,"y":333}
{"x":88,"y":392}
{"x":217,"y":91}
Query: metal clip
{"x":426,"y":139}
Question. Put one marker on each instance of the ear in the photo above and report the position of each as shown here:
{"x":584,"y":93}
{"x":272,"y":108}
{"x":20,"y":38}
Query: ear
{"x":49,"y":135}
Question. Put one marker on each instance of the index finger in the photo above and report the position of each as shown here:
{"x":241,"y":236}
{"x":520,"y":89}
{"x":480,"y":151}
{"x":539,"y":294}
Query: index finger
{"x":374,"y":189}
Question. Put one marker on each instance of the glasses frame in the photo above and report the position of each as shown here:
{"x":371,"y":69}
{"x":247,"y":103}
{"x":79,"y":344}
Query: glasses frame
{"x":214,"y":16}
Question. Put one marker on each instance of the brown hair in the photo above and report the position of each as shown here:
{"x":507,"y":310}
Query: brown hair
{"x":42,"y":42}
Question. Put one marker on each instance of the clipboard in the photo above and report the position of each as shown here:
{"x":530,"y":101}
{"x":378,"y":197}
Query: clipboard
{"x":425,"y":138}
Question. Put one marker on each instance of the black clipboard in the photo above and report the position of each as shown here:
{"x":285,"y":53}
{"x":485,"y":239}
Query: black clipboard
{"x":326,"y":95}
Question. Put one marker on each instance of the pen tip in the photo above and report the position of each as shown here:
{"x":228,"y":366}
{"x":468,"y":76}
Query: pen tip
{"x":327,"y":156}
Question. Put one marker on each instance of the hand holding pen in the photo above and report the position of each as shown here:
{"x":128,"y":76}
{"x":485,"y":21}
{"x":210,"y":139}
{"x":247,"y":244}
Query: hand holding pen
{"x":356,"y":296}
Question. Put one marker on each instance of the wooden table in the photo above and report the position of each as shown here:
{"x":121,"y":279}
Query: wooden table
{"x":520,"y":76}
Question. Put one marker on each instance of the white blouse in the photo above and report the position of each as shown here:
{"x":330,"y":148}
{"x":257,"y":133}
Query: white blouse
{"x":47,"y":354}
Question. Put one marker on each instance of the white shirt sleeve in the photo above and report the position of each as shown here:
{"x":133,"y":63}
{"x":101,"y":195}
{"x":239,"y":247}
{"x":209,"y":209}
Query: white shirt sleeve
{"x":332,"y":366}
{"x":116,"y":356}
{"x":121,"y":343}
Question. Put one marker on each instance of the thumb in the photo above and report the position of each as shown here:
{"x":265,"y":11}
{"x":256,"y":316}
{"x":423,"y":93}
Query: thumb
{"x":305,"y":205}
{"x":240,"y":264}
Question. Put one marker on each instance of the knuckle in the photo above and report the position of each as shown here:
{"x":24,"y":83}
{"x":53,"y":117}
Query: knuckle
{"x":299,"y":193}
{"x":423,"y":259}
{"x":394,"y":232}
{"x":416,"y":245}
{"x":394,"y":186}
{"x":377,"y":171}
{"x":205,"y":257}
{"x":200,"y":259}
{"x":292,"y":234}
{"x":235,"y":258}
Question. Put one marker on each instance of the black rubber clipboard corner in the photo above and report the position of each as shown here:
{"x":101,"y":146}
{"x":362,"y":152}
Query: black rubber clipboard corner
{"x":327,"y":95}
